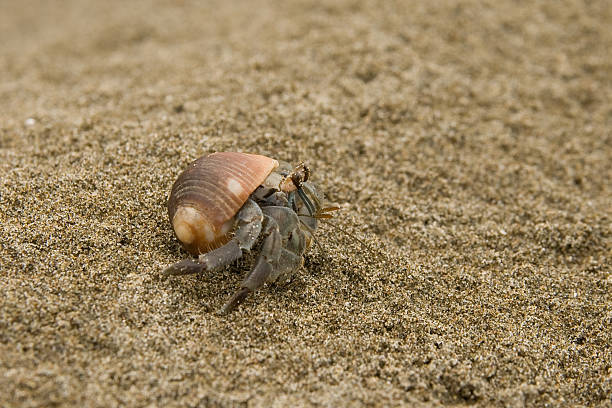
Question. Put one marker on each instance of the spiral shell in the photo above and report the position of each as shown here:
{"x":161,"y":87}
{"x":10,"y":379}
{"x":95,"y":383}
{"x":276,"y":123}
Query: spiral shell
{"x":208,"y":194}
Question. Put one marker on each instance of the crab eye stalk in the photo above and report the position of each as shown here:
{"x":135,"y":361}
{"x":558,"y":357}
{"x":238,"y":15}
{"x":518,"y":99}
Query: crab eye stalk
{"x":300,"y":175}
{"x":295,"y":182}
{"x":295,"y":179}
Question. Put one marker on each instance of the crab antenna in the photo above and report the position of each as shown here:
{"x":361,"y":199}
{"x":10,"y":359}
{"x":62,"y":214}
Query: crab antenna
{"x":339,"y":228}
{"x":306,"y":200}
{"x":312,"y":235}
{"x":348,"y":234}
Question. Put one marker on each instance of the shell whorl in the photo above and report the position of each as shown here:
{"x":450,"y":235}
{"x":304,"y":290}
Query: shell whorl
{"x":208,"y":194}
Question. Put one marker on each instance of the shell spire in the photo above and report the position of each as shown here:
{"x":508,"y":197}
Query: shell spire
{"x":208,"y":194}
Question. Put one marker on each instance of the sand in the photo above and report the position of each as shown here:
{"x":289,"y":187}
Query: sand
{"x":468,"y":144}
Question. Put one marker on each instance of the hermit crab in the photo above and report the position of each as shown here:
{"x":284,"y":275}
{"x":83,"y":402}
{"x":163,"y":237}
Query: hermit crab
{"x":227,"y":203}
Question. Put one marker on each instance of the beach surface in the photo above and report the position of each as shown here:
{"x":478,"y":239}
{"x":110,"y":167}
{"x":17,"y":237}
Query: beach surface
{"x":468,"y":144}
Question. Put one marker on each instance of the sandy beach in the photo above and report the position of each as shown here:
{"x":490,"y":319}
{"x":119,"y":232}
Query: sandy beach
{"x":468,"y":144}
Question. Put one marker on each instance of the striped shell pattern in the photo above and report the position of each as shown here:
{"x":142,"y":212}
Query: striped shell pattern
{"x":208,"y":194}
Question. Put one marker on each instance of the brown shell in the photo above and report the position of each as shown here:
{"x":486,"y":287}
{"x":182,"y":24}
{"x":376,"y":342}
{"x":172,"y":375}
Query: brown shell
{"x":208,"y":194}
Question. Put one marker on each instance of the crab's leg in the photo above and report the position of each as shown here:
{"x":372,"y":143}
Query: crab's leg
{"x":249,"y":224}
{"x":294,"y":242}
{"x":266,"y":263}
